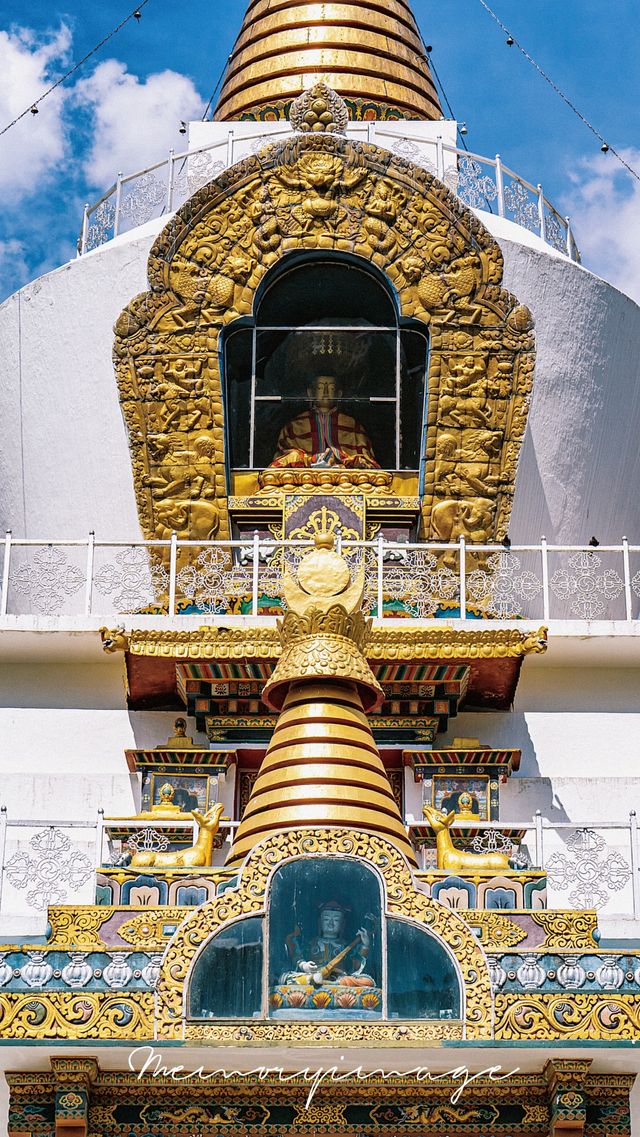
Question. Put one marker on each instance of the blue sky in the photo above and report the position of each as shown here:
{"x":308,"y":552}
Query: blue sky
{"x":123,"y":108}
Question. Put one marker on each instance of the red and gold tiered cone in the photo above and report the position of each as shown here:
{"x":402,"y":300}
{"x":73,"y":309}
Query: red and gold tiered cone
{"x":371,"y":54}
{"x":322,"y":767}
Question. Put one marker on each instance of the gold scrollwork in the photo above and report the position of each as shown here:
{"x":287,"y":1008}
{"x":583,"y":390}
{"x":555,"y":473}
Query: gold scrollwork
{"x":567,"y":931}
{"x":75,"y":1015}
{"x":77,"y":926}
{"x":577,"y":1015}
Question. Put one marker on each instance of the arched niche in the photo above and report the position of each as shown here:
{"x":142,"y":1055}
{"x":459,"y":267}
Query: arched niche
{"x":334,"y":317}
{"x":242,"y":957}
{"x":324,"y":951}
{"x":324,"y":195}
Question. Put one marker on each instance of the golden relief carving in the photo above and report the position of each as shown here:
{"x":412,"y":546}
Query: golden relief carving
{"x":557,"y":1016}
{"x":324,"y":192}
{"x":495,"y":931}
{"x":421,"y":643}
{"x":75,"y":1015}
{"x":249,"y":897}
{"x":146,"y":931}
{"x":567,"y":931}
{"x":76,"y":926}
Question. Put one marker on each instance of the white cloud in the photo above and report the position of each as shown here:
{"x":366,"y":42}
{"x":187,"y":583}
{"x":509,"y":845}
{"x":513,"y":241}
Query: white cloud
{"x":134,"y":123}
{"x":605,"y":208}
{"x":31,"y":151}
{"x":14,"y":269}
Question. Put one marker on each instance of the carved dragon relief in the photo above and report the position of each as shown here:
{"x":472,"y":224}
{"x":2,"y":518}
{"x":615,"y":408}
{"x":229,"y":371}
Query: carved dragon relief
{"x":324,"y":193}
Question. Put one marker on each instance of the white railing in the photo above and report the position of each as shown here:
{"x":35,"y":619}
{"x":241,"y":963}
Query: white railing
{"x":589,"y":864}
{"x":479,"y":182}
{"x":244,"y":578}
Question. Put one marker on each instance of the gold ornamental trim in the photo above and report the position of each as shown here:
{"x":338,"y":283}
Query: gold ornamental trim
{"x":74,"y":1015}
{"x":561,"y":1016}
{"x":415,"y":643}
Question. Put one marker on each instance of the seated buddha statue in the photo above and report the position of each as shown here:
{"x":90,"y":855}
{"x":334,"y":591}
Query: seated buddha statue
{"x":326,"y":959}
{"x":323,"y":435}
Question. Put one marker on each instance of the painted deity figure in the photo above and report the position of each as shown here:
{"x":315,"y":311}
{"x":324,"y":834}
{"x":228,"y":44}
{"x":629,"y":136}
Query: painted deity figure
{"x":327,"y":959}
{"x":324,"y":435}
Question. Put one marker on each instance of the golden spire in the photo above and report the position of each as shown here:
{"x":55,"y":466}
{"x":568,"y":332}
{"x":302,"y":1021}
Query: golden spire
{"x":370,"y":53}
{"x":322,"y":766}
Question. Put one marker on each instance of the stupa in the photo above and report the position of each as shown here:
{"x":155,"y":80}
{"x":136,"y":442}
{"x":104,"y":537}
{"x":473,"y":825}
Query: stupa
{"x":346,"y":376}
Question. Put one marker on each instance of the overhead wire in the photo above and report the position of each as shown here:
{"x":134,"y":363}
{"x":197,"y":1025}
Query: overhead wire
{"x":135,"y":14}
{"x":511,"y":39}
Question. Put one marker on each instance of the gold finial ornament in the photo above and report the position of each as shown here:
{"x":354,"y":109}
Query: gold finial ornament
{"x":373,"y":58}
{"x":324,"y":632}
{"x":322,"y":766}
{"x":320,"y":110}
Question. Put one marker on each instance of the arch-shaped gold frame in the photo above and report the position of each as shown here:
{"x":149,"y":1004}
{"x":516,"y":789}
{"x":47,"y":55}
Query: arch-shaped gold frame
{"x":402,"y":899}
{"x":322,"y":192}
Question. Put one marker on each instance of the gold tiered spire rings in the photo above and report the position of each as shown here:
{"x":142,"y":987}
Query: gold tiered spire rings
{"x":370,"y":53}
{"x":322,"y":767}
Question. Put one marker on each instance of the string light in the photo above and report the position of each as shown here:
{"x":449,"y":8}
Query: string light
{"x":605,"y":147}
{"x":33,"y":109}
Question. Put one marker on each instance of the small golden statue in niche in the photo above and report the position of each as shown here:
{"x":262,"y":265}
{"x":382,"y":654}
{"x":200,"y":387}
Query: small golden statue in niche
{"x":180,"y":740}
{"x":165,"y":807}
{"x":465,"y":810}
{"x":324,"y":435}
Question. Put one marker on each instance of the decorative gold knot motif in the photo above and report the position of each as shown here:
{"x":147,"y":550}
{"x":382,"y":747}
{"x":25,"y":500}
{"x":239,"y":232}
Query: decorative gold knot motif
{"x":320,"y":109}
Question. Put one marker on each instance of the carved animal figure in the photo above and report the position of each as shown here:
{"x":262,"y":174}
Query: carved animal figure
{"x":198,"y":854}
{"x":456,"y":860}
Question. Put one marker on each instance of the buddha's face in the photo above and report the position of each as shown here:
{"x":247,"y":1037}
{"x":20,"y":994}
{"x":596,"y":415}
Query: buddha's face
{"x":330,"y":923}
{"x":324,"y":392}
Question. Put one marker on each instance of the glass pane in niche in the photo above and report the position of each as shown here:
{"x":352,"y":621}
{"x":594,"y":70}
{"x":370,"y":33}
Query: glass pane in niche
{"x":325,"y":951}
{"x":422,"y":982}
{"x":227,"y":978}
{"x":318,"y":395}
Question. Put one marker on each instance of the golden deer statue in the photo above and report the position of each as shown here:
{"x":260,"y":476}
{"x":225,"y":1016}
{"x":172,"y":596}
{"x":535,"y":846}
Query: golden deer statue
{"x":456,"y":860}
{"x":197,"y":855}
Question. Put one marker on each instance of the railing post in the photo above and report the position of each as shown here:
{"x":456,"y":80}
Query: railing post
{"x":85,"y":229}
{"x":500,"y":185}
{"x":439,"y":158}
{"x":255,"y":569}
{"x":116,"y":213}
{"x":230,"y":141}
{"x":99,"y":837}
{"x":635,"y":862}
{"x":3,"y":846}
{"x":539,"y":840}
{"x":463,"y":578}
{"x":570,"y":243}
{"x":380,"y":566}
{"x":88,"y":586}
{"x":4,"y":597}
{"x":541,"y":217}
{"x":173,"y":562}
{"x":170,"y":181}
{"x":628,"y":601}
{"x":544,"y":552}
